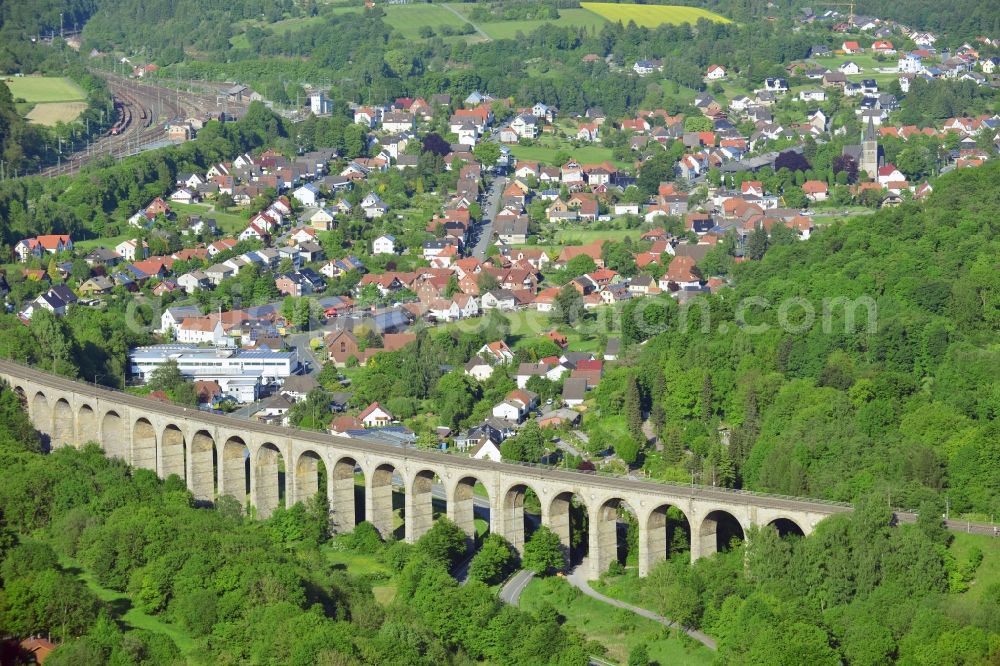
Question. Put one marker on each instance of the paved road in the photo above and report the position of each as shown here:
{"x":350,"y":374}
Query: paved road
{"x":490,"y":210}
{"x":578,"y":579}
{"x":465,"y":20}
{"x":301,"y":343}
{"x":510,"y":593}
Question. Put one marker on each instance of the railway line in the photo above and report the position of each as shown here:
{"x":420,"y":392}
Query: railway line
{"x":142,"y":111}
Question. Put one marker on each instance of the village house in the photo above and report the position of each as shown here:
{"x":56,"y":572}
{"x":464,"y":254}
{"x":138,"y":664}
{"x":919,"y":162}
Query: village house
{"x":375,"y":416}
{"x":496,"y":352}
{"x":40,"y":245}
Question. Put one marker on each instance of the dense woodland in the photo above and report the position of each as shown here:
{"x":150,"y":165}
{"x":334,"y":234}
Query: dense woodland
{"x":856,"y":591}
{"x":908,"y":409}
{"x":247,"y":592}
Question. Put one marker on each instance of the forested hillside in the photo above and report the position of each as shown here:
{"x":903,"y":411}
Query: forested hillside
{"x":907,"y":408}
{"x":76,"y":527}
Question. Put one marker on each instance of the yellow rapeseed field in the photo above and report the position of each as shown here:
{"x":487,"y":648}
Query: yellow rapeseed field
{"x":651,"y":16}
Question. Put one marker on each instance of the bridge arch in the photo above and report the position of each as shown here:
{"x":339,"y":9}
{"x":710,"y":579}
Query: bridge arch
{"x":204,"y":462}
{"x":310,"y":475}
{"x":667,"y":532}
{"x":568,"y":518}
{"x":608,"y":528}
{"x":342,"y":492}
{"x":86,"y":425}
{"x":462,"y":505}
{"x":40,"y":413}
{"x":269,"y":479}
{"x":173,"y":452}
{"x":113,"y":438}
{"x":786,"y":527}
{"x":63,"y":424}
{"x":514,"y":517}
{"x":143,"y":444}
{"x":419,"y":503}
{"x":235,"y":477}
{"x":379,"y":496}
{"x":21,"y":396}
{"x":717,"y":530}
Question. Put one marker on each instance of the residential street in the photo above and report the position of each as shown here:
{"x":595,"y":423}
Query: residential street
{"x":491,"y":207}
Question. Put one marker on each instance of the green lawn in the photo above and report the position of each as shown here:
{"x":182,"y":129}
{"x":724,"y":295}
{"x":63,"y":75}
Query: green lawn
{"x":618,"y":630}
{"x":548,"y":147}
{"x":651,"y":16}
{"x":122,"y":608}
{"x":44,"y":89}
{"x":229,"y":223}
{"x":110,"y":242}
{"x":584,"y":236}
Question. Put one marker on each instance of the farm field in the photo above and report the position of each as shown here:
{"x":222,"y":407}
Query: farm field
{"x":55,"y":112}
{"x":574,"y":18}
{"x":49,"y":99}
{"x":409,"y":19}
{"x":39,"y":89}
{"x":651,"y":16}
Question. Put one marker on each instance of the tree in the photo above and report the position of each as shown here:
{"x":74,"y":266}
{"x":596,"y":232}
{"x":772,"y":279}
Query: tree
{"x":791,"y":160}
{"x":698,"y":123}
{"x":487,"y":282}
{"x":528,"y":445}
{"x":488,"y":153}
{"x":494,"y":561}
{"x":757,"y":243}
{"x":633,"y":407}
{"x":544,"y":552}
{"x":433,"y":143}
{"x":568,"y":308}
{"x":580,"y":265}
{"x":657,"y":169}
{"x":638,"y":656}
{"x":444,"y":542}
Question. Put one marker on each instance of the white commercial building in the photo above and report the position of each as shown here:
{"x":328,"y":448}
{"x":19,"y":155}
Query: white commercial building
{"x":242,"y":374}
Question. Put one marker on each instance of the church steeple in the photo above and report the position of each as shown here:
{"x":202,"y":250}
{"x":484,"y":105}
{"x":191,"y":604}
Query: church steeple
{"x":869,"y":150}
{"x":869,"y":132}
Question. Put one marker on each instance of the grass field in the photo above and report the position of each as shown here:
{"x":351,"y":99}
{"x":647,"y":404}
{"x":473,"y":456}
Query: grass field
{"x":651,"y":16}
{"x":229,"y":223}
{"x":547,"y":154}
{"x":44,"y":89}
{"x":52,"y":99}
{"x":409,"y":19}
{"x":122,"y":609}
{"x":570,"y":18}
{"x":618,"y":630}
{"x":54,"y":112}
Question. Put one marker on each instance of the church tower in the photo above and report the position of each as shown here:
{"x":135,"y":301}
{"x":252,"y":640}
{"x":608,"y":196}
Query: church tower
{"x":869,"y":151}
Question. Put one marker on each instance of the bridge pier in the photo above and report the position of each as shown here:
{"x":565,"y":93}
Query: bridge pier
{"x":378,"y":500}
{"x":418,"y":505}
{"x":340,"y":492}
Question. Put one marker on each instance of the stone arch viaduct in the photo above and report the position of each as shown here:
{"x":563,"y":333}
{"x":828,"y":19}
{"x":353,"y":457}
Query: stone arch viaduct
{"x":263,"y":466}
